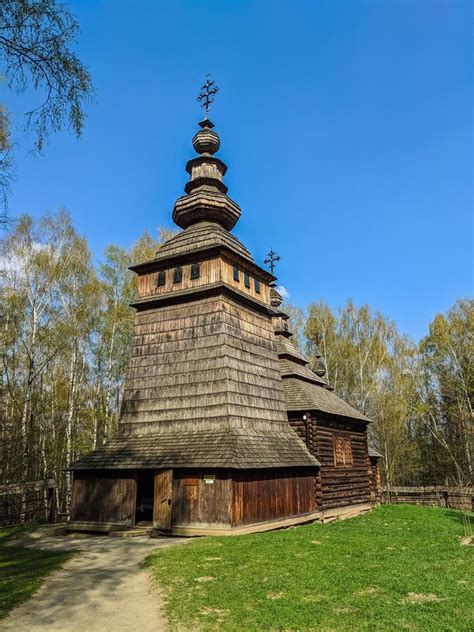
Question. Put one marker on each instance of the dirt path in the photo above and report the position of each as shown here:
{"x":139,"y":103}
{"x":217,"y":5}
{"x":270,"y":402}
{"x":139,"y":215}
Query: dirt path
{"x":102,"y":588}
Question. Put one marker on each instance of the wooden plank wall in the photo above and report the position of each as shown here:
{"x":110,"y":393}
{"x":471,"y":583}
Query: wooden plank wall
{"x":262,"y":495}
{"x":228,"y":277}
{"x":212,"y":271}
{"x":197,"y":503}
{"x":104,"y":497}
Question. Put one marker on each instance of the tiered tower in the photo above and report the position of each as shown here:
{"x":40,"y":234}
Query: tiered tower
{"x":204,"y":406}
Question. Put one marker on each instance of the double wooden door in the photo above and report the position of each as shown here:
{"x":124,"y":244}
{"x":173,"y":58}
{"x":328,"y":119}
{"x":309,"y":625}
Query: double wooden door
{"x":163,"y":500}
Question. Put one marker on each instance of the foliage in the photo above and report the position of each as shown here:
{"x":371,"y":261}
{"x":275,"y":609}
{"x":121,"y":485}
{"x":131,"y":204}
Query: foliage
{"x":22,"y":570}
{"x":65,"y":332}
{"x":418,"y":396}
{"x":445,"y":385}
{"x":36,"y":47}
{"x":396,"y":568}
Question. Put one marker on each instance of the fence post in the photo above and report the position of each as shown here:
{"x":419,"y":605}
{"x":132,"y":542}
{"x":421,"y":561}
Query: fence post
{"x":52,"y":505}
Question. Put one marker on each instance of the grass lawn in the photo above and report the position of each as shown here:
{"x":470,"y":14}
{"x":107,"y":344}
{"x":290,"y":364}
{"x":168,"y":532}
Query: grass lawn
{"x":398,"y":567}
{"x":22,"y":570}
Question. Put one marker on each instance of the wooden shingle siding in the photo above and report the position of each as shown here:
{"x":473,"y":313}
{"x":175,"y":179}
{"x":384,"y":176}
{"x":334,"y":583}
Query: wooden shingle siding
{"x":210,"y":359}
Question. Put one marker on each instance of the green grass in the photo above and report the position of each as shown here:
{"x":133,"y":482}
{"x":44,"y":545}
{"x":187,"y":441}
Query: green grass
{"x":22,"y":570}
{"x":398,"y":567}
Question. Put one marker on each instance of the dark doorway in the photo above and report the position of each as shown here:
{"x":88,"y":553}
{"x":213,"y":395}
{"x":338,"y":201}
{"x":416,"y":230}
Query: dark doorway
{"x":145,"y":487}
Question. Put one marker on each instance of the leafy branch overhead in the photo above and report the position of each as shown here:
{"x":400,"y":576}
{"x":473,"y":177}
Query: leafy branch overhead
{"x":36,"y":48}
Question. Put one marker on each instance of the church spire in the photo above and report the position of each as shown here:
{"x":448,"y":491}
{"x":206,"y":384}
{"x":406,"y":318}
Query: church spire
{"x":206,"y":198}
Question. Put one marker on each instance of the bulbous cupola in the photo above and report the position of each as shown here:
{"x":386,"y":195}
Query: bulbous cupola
{"x":206,"y":194}
{"x":206,"y":141}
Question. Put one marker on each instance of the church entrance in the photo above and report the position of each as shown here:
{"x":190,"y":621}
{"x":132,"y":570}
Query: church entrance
{"x":163,"y":505}
{"x":145,"y":489}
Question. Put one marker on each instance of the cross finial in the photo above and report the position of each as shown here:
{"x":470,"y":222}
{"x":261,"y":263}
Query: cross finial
{"x":272,"y":260}
{"x":207,"y":94}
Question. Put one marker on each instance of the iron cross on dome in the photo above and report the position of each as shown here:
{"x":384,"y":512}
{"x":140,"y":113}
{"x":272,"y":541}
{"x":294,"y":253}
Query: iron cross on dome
{"x":272,"y":260}
{"x":207,"y":94}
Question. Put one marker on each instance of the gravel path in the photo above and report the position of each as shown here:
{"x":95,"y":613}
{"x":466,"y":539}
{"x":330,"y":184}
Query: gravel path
{"x":101,"y":588}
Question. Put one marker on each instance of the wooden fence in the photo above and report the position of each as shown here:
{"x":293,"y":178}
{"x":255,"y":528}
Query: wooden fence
{"x":28,"y":502}
{"x":450,"y":497}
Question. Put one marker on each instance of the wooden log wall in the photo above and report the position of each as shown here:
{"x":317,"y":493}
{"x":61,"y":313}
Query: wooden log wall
{"x":211,"y":271}
{"x":375,"y":477}
{"x":104,"y":497}
{"x":340,"y":485}
{"x":263,"y":495}
{"x":433,"y":496}
{"x":202,"y":498}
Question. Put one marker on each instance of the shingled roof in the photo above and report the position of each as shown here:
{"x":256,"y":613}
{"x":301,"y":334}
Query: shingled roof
{"x":202,"y":236}
{"x":236,"y":448}
{"x":302,"y":395}
{"x":304,"y":390}
{"x":373,"y":452}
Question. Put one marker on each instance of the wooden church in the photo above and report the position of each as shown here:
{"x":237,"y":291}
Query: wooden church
{"x":224,"y":428}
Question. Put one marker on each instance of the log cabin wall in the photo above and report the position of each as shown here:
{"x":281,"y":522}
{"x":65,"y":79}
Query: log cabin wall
{"x":104,"y":496}
{"x":341,"y":448}
{"x":264,"y":495}
{"x":343,"y":454}
{"x":202,"y":499}
{"x":215,"y":270}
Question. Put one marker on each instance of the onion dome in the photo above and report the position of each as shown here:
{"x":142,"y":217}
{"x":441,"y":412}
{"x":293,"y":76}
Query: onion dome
{"x":206,"y":141}
{"x":319,"y":367}
{"x":276,"y":298}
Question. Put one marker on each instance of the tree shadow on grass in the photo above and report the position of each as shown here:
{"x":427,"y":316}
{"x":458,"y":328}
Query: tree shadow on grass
{"x":22,"y":571}
{"x":457,"y":515}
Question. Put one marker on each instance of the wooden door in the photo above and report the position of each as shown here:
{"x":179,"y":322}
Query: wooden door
{"x":162,"y":503}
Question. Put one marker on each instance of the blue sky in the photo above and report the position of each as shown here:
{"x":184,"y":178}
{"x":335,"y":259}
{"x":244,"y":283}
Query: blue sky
{"x":346,"y":126}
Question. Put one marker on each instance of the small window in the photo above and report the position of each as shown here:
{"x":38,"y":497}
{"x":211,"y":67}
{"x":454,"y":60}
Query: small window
{"x":236,"y":273}
{"x":342,"y":451}
{"x":178,"y":275}
{"x":246,"y":279}
{"x":257,"y":286}
{"x":195,"y":271}
{"x":161,"y":278}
